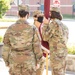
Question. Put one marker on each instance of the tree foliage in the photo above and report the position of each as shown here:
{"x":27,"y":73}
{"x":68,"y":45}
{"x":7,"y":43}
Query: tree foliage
{"x":4,"y":6}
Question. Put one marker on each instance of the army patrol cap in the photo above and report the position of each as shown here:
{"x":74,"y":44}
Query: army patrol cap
{"x":40,"y":15}
{"x":56,"y":9}
{"x":36,"y":13}
{"x":23,"y":7}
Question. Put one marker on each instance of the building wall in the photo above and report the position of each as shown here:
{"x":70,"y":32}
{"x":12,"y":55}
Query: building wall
{"x":64,"y":9}
{"x":67,"y":9}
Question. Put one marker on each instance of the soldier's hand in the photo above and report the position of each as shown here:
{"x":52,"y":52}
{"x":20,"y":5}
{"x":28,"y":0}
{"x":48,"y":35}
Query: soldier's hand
{"x":37,"y":66}
{"x":45,"y":21}
{"x":46,"y":51}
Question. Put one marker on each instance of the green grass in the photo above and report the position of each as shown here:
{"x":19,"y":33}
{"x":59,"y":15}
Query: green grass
{"x":66,"y":16}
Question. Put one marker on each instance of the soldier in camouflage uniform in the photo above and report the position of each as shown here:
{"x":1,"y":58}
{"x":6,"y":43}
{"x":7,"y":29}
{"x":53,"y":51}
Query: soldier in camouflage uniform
{"x":35,"y":14}
{"x":38,"y":22}
{"x":41,"y":69}
{"x":56,"y":33}
{"x":22,"y":51}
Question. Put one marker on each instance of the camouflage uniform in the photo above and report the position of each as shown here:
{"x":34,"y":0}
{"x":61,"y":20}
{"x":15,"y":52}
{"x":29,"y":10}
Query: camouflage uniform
{"x":21,"y":49}
{"x":56,"y":33}
{"x":41,"y":69}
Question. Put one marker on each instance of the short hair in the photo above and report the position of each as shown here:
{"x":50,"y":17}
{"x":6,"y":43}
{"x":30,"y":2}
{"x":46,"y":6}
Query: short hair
{"x":40,"y":18}
{"x":23,"y":13}
{"x":35,"y":16}
{"x":55,"y":14}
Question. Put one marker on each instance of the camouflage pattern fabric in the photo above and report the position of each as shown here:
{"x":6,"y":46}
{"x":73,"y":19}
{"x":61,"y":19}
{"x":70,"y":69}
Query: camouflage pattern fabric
{"x":56,"y":33}
{"x":42,"y":64}
{"x":22,"y":50}
{"x":41,"y":69}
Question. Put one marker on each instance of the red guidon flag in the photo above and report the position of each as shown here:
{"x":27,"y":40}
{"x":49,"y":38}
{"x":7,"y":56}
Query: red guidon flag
{"x":46,"y":8}
{"x":45,"y":44}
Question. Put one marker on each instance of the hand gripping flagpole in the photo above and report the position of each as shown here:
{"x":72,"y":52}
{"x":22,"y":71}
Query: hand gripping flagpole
{"x":46,"y":13}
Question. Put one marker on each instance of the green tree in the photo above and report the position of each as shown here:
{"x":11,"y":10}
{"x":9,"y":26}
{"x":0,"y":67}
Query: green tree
{"x":4,"y":6}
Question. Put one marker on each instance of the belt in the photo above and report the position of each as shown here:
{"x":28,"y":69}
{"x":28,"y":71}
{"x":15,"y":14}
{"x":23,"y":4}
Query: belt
{"x":18,"y":50}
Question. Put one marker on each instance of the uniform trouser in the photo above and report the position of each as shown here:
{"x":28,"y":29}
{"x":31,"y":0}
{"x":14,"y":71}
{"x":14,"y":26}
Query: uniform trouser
{"x":22,"y":69}
{"x":58,"y":67}
{"x":23,"y":72}
{"x":40,"y":70}
{"x":42,"y":66}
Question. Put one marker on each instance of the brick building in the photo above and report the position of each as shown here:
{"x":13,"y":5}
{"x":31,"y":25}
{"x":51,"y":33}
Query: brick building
{"x":66,"y":6}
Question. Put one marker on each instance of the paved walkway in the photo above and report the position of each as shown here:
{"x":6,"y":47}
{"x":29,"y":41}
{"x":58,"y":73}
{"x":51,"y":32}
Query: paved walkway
{"x":67,"y":73}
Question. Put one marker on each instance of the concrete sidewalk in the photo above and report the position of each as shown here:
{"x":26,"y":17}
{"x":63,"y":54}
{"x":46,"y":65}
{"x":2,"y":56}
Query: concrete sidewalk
{"x":67,"y":73}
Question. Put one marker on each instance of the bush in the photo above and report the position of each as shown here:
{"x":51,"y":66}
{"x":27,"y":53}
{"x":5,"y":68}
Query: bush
{"x":11,"y":1}
{"x":1,"y":39}
{"x":4,"y":6}
{"x":71,"y":50}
